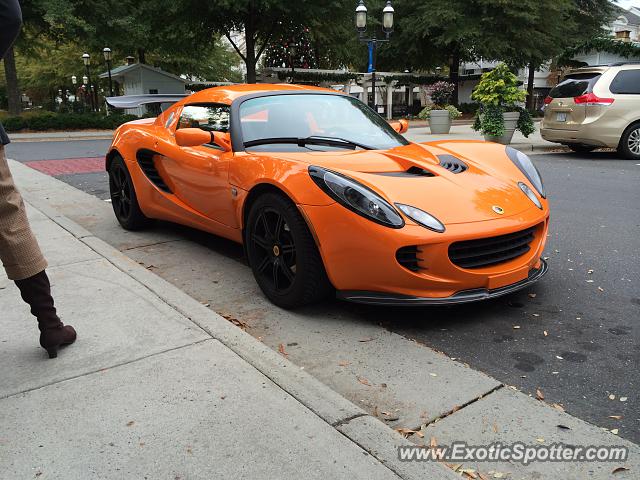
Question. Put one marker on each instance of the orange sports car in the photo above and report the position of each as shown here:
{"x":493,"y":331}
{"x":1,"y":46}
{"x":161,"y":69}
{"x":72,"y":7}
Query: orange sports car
{"x":326,"y":196}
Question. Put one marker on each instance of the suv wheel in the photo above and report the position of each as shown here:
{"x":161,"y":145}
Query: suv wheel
{"x":630,"y":142}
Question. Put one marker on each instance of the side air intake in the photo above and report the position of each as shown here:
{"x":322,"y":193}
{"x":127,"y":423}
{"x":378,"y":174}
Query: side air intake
{"x":148,"y":166}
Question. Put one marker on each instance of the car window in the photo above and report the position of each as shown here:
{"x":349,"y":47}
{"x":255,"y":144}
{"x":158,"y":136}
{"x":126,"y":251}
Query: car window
{"x":207,"y":117}
{"x":574,"y":85}
{"x":313,"y":115}
{"x":626,"y":82}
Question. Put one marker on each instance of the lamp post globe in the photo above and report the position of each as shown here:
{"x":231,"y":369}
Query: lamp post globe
{"x":74,"y":80}
{"x":361,"y":17}
{"x":107,"y":53}
{"x":107,"y":58}
{"x":86,"y":59}
{"x":387,"y":18}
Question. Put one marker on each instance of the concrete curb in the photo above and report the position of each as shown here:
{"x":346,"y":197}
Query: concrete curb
{"x":368,"y":432}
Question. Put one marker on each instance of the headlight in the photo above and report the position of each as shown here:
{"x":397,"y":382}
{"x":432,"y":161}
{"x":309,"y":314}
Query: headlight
{"x":527,"y":167}
{"x":356,"y":197}
{"x":421,"y":217}
{"x":532,"y":196}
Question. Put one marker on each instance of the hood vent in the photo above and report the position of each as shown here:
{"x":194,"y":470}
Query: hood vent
{"x":411,"y":172}
{"x":453,"y":164}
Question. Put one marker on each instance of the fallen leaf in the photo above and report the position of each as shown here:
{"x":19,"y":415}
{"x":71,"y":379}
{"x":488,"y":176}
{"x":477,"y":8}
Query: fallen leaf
{"x":536,"y":315}
{"x":470,"y":473}
{"x":620,"y":469}
{"x":616,"y":417}
{"x":495,"y":427}
{"x":557,"y":406}
{"x":590,"y":271}
{"x":130,"y":422}
{"x":433,"y":442}
{"x":601,"y":289}
{"x":614,"y":431}
{"x":539,"y":394}
{"x":532,"y":295}
{"x":612,"y":397}
{"x":482,"y":476}
{"x":363,"y":381}
{"x":282,"y":350}
{"x":368,"y":339}
{"x":546,"y":334}
{"x":498,"y":475}
{"x":540,"y":440}
{"x":563,"y":427}
{"x":623,"y":399}
{"x":420,"y":434}
{"x":405,"y":432}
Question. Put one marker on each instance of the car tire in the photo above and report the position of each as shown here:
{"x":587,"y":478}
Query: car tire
{"x":578,"y":148}
{"x":282,"y":253}
{"x":629,"y":146}
{"x":123,"y":197}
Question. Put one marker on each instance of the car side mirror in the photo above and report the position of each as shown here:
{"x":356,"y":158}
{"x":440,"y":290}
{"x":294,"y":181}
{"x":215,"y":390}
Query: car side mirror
{"x":222,"y":139}
{"x":192,"y":137}
{"x":400,"y":126}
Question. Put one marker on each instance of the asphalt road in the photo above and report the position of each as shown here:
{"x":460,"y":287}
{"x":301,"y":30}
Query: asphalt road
{"x":588,"y":305}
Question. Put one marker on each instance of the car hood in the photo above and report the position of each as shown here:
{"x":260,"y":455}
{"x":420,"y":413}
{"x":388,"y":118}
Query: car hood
{"x":489,"y":181}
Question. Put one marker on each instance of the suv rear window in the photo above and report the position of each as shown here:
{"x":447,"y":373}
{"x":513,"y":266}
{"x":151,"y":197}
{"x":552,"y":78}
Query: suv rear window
{"x":626,"y":81}
{"x":574,"y":85}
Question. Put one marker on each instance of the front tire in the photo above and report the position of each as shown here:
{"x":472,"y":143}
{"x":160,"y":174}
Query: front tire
{"x":630,"y":142}
{"x":123,"y":197}
{"x":282,"y":253}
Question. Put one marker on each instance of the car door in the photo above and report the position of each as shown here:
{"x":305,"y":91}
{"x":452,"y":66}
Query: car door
{"x":199,"y":176}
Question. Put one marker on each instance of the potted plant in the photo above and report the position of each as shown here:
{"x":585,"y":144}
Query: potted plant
{"x":440,"y":113}
{"x":500,"y":114}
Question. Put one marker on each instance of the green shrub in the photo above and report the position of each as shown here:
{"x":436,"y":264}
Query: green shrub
{"x":426,"y":111}
{"x":469,"y":107}
{"x":498,"y":91}
{"x":43,"y":121}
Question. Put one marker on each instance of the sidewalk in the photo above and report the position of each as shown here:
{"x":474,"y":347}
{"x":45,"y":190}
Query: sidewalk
{"x":61,"y":136}
{"x":158,"y":386}
{"x":533,"y":143}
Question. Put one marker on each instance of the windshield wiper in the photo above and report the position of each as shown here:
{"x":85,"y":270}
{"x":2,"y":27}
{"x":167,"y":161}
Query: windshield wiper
{"x":312,"y":140}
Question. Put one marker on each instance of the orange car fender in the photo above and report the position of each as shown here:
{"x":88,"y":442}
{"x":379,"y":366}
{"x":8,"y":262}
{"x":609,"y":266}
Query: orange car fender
{"x":251,"y":173}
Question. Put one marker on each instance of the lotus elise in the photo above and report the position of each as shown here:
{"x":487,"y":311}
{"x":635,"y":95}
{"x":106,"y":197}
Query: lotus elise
{"x":328,"y":197}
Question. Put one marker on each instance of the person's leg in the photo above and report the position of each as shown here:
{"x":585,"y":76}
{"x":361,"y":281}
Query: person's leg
{"x":25,"y":265}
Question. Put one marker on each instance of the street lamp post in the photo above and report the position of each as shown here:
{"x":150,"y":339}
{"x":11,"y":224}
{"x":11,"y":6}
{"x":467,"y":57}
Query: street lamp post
{"x":293,"y":49}
{"x":94,"y":98}
{"x":107,"y":58}
{"x":361,"y":27}
{"x":86,"y":94}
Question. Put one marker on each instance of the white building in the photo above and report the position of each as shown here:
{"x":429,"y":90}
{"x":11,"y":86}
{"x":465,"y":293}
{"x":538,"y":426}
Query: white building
{"x":141,"y":79}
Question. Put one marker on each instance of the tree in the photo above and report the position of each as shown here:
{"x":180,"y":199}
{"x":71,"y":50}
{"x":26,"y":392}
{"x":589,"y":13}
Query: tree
{"x":436,"y":33}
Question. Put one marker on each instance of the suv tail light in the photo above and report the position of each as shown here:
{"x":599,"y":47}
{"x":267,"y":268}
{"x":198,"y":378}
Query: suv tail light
{"x":548,"y":100}
{"x":592,"y":99}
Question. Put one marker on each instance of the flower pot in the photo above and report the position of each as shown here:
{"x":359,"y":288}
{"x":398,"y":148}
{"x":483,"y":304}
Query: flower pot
{"x":439,"y":121}
{"x":510,"y":123}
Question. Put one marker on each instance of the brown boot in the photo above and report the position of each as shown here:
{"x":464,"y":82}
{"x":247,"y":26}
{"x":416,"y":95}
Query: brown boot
{"x":36,"y":291}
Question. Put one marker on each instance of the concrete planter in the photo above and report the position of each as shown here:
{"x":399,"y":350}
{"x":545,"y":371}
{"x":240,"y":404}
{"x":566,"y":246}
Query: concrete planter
{"x":510,"y":123}
{"x":439,"y":121}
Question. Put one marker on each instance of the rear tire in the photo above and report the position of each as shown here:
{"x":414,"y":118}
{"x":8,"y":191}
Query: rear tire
{"x":629,"y":146}
{"x":283,"y":255}
{"x":578,"y":148}
{"x":123,"y":197}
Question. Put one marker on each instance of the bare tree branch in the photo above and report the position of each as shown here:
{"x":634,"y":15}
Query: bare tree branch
{"x":244,"y":58}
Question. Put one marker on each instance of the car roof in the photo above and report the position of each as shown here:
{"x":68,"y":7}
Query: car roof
{"x":228,"y":93}
{"x":604,"y":68}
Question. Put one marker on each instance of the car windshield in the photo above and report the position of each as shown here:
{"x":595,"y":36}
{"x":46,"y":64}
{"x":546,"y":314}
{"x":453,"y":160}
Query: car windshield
{"x":313,"y":122}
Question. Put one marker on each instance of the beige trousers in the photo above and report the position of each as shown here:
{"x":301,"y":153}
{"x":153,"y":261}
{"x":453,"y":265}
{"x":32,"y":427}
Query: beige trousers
{"x":19,"y":250}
